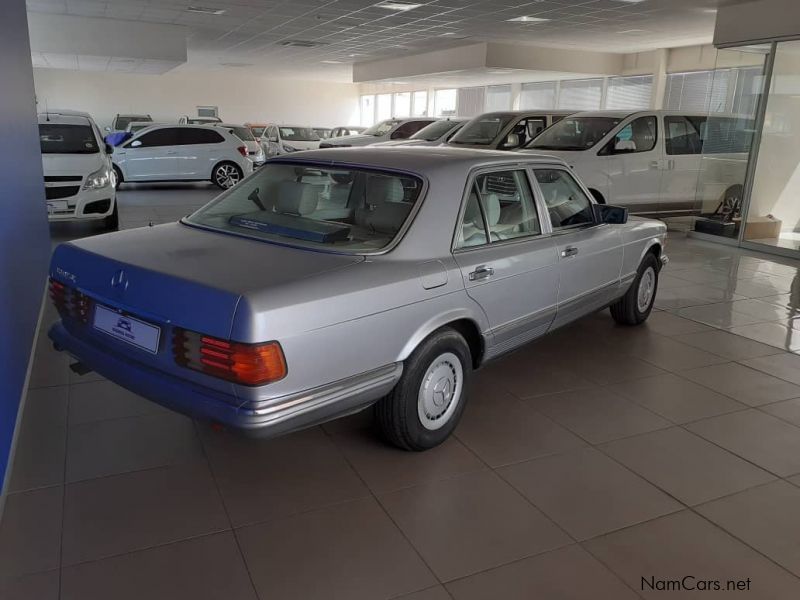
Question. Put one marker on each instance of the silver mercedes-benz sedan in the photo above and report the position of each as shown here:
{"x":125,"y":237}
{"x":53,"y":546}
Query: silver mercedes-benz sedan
{"x":332,"y":280}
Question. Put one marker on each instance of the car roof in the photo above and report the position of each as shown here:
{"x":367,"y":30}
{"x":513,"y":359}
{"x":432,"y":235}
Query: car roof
{"x":520,"y":113}
{"x":65,"y":117}
{"x":133,"y":115}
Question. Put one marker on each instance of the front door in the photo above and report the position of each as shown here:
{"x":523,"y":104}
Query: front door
{"x":149,"y":157}
{"x":589,"y":254}
{"x":509,"y":267}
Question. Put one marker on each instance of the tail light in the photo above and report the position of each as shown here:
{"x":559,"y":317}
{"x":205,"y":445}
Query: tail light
{"x":242,"y":150}
{"x":248,"y":364}
{"x":70,"y":302}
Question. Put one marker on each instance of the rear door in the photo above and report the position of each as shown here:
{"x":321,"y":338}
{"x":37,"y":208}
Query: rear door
{"x":149,"y":157}
{"x":589,"y":254}
{"x":197,"y":152}
{"x":508,"y":264}
{"x":683,"y":147}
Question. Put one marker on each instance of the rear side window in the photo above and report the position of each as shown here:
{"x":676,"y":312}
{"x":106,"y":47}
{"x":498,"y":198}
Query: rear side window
{"x":682,"y":135}
{"x":191,"y":136}
{"x":406,"y":130}
{"x":167,"y":136}
{"x":567,"y":204}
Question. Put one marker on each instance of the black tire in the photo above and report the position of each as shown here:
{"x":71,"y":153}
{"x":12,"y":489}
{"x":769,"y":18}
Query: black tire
{"x":397,"y":416}
{"x":111,"y":222}
{"x":627,"y":310}
{"x":226,"y":174}
{"x":119,"y":178}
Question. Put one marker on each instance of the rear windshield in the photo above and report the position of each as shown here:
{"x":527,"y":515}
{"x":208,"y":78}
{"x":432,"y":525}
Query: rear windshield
{"x":122,"y":122}
{"x":243,"y":133}
{"x":574,"y":133}
{"x":432,"y":132}
{"x":258,"y":131}
{"x":340,"y":209}
{"x":322,"y":132}
{"x":482,"y":131}
{"x":67,"y":139}
{"x":299,"y":134}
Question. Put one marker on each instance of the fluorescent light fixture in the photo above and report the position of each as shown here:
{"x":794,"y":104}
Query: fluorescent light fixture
{"x":448,"y":33}
{"x":399,"y":6}
{"x":629,"y":1}
{"x":527,"y":19}
{"x":206,"y":10}
{"x":633,"y":31}
{"x":331,"y":62}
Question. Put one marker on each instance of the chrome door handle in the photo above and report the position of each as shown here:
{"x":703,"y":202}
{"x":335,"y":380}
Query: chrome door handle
{"x":482,"y":272}
{"x":569,"y":251}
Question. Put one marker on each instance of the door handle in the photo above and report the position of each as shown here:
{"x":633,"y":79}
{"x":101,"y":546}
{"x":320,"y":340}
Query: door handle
{"x":482,"y":272}
{"x":655,"y":164}
{"x":569,"y":251}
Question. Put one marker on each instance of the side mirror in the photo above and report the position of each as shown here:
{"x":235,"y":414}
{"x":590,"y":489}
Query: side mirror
{"x":136,"y":143}
{"x":109,"y":149}
{"x":108,"y":129}
{"x":607,"y":213}
{"x":511,"y":141}
{"x":623,"y":146}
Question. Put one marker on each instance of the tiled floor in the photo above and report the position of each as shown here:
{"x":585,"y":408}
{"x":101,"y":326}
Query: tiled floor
{"x":587,"y":463}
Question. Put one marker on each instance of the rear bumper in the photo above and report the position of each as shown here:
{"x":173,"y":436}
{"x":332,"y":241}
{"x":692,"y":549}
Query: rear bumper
{"x":268,"y":418}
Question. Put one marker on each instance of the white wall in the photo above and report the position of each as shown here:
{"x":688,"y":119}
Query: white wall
{"x":758,"y":21}
{"x":240,"y":97}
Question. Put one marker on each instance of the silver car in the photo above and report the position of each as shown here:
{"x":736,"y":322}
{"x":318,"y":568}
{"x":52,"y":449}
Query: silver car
{"x":334,"y":280}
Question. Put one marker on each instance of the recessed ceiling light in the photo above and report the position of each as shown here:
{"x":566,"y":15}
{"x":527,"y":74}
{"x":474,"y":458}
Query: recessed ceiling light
{"x":331,"y":62}
{"x":401,"y":6}
{"x":205,"y":10}
{"x":527,"y":19}
{"x":301,"y":43}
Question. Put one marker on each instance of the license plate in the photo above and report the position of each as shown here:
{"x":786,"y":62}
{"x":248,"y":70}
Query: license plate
{"x":55,"y":206}
{"x":125,"y":328}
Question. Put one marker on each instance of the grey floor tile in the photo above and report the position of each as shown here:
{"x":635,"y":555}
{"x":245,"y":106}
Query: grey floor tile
{"x":103,"y":400}
{"x":727,"y":345}
{"x":611,"y":366}
{"x":685,"y":465}
{"x":744,"y":384}
{"x":505,"y":430}
{"x":470,"y":523}
{"x":766,"y":518}
{"x":54,"y":370}
{"x":569,"y":573}
{"x":205,"y":568}
{"x":41,"y":441}
{"x":587,"y":493}
{"x":718,"y":315}
{"x":113,"y":515}
{"x":526,"y":377}
{"x":598,"y":415}
{"x":37,"y":586}
{"x":758,"y":437}
{"x":777,"y":335}
{"x":676,"y":398}
{"x":268,"y":479}
{"x":666,"y":323}
{"x":434,"y":593}
{"x":671,"y":355}
{"x":121,"y":445}
{"x":693,"y":295}
{"x":30,"y":532}
{"x":788,"y":410}
{"x":784,"y":366}
{"x":685,"y":544}
{"x":350,"y":551}
{"x":763,"y":310}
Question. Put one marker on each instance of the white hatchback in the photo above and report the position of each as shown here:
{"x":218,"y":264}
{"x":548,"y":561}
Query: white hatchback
{"x":78,"y":177}
{"x":183,"y":153}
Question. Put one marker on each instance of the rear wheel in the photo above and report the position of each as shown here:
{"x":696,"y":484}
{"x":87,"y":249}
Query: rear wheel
{"x":637,"y":303}
{"x":426,"y":404}
{"x":226,"y":175}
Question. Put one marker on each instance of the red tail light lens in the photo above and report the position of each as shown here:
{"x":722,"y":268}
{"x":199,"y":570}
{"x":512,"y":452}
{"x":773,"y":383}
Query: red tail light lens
{"x":242,"y":150}
{"x":70,"y":302}
{"x":248,"y":364}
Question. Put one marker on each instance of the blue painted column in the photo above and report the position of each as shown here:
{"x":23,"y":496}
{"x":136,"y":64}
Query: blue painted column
{"x":24,"y":233}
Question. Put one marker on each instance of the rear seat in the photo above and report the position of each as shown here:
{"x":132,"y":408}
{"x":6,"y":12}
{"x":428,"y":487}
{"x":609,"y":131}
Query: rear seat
{"x":384,"y":210}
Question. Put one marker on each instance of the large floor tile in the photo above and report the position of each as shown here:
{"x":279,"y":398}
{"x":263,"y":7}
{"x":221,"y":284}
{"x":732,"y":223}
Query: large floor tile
{"x":671,"y":355}
{"x":784,"y":366}
{"x":666,"y":323}
{"x":763,"y":310}
{"x":30,"y":532}
{"x":471,"y":523}
{"x":525,"y":376}
{"x":684,"y":544}
{"x":102,"y":400}
{"x":505,"y":430}
{"x":727,"y":345}
{"x":685,"y":465}
{"x":744,"y":384}
{"x":569,"y":573}
{"x":758,"y":437}
{"x":350,"y":551}
{"x":37,"y":586}
{"x":113,"y":515}
{"x":433,"y":593}
{"x":205,"y":568}
{"x":120,"y":445}
{"x":788,"y":410}
{"x":778,"y":335}
{"x":766,"y":518}
{"x":268,"y":479}
{"x":598,"y":415}
{"x":718,"y":315}
{"x":587,"y":493}
{"x":676,"y":398}
{"x":41,"y":441}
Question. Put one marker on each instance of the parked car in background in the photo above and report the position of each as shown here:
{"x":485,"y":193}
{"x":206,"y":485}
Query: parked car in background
{"x":282,"y":139}
{"x":183,"y":153}
{"x":254,"y":150}
{"x":187,"y":120}
{"x":390,"y":129}
{"x":651,"y":161}
{"x":257,"y":129}
{"x":323,"y":132}
{"x":346,"y":130}
{"x":506,"y":130}
{"x":78,"y":176}
{"x":454,"y":256}
{"x":434,"y":134}
{"x":135,"y":126}
{"x":121,"y":122}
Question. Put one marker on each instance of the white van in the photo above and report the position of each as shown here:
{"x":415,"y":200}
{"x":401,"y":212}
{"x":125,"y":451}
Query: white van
{"x":282,"y":139}
{"x":506,"y":130}
{"x":664,"y":163}
{"x":79,"y":180}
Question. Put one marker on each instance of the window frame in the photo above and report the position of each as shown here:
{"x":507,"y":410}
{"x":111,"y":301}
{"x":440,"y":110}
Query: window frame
{"x":145,"y":133}
{"x":606,"y":147}
{"x":558,"y":231}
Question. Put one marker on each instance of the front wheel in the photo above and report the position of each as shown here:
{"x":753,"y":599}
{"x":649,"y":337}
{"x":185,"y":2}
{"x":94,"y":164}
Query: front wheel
{"x":637,"y":303}
{"x":426,"y":404}
{"x":226,"y":175}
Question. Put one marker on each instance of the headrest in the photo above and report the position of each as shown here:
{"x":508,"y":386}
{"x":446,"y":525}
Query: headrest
{"x":382,"y":189}
{"x":297,"y":198}
{"x":492,"y":207}
{"x":472,"y":212}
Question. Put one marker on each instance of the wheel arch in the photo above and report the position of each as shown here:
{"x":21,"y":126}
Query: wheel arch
{"x":464,"y":323}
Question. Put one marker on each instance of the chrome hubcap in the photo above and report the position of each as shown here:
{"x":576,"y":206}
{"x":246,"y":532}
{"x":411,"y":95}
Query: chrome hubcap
{"x":647,"y":287}
{"x":440,"y":391}
{"x":227,"y":176}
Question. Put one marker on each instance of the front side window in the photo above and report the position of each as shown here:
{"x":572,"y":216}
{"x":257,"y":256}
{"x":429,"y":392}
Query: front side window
{"x":682,"y":135}
{"x":567,"y":204}
{"x":575,"y":133}
{"x":166,"y":136}
{"x":67,"y":139}
{"x":433,"y":131}
{"x":406,"y":130}
{"x":338,"y":209}
{"x":298,"y":134}
{"x":482,"y":131}
{"x":381,"y":128}
{"x":637,"y":136}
